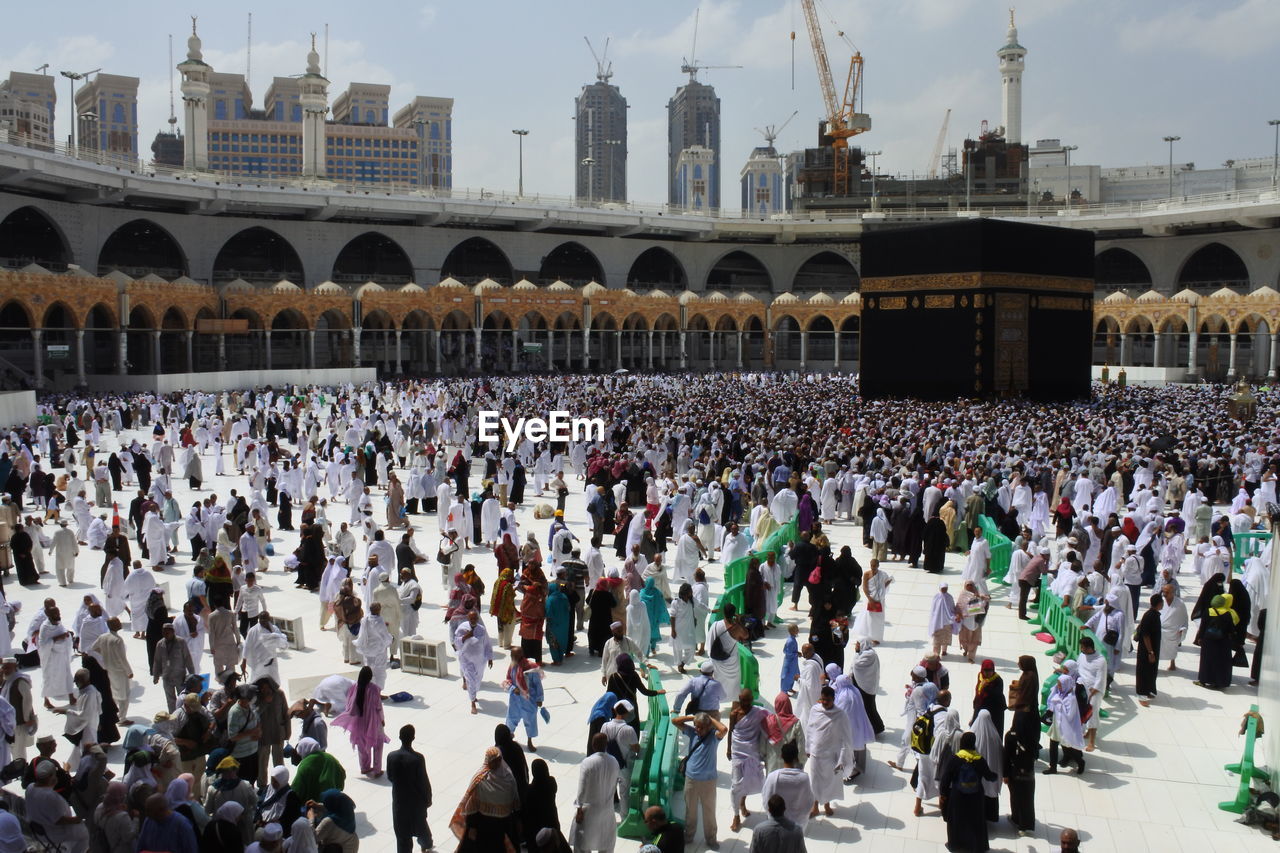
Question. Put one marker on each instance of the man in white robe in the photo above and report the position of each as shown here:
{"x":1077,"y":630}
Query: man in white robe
{"x":387,"y":597}
{"x":829,"y":741}
{"x":490,"y":516}
{"x":263,"y":645}
{"x":688,"y":551}
{"x":55,"y":657}
{"x":109,"y":648}
{"x":809,"y":684}
{"x":595,"y":824}
{"x":137,"y":586}
{"x":978,"y":566}
{"x":157,"y":533}
{"x":98,"y":533}
{"x":475,"y":653}
{"x":784,"y":505}
{"x":65,"y":548}
{"x":1174,"y":622}
{"x":374,"y":643}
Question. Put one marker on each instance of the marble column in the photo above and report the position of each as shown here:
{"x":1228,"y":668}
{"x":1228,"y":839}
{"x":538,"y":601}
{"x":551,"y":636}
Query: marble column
{"x":355,"y":346}
{"x":804,"y":350}
{"x":398,"y":368}
{"x":739,"y":349}
{"x":836,"y":338}
{"x":122,"y":344}
{"x":266,"y":349}
{"x":191,"y":356}
{"x":1271,"y":362}
{"x":617,"y":347}
{"x":155,"y":351}
{"x":37,"y":357}
{"x":311,"y":349}
{"x":649,"y":355}
{"x":222,"y":352}
{"x":1194,"y":341}
{"x":1124,"y":349}
{"x":684,"y":361}
{"x":1231,"y":357}
{"x":551,"y":345}
{"x":80,"y":380}
{"x":479,"y":337}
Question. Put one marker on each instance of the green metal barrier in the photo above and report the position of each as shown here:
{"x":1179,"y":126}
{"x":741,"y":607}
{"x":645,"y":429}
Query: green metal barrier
{"x":750,"y":670}
{"x":646,"y":784}
{"x":1001,"y":550}
{"x":1246,"y":545}
{"x":1245,"y":768}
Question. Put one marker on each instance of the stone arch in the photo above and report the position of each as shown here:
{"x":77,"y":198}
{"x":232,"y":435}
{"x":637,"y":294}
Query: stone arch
{"x":1118,"y":268}
{"x":786,"y":339}
{"x":59,"y":324}
{"x":1253,"y":344}
{"x":457,"y":342}
{"x":657,"y":267}
{"x":1106,"y":340}
{"x":753,"y":342}
{"x":1141,"y":341}
{"x":141,"y":355}
{"x":829,"y":272}
{"x":476,"y":259}
{"x":850,"y":340}
{"x":1211,"y":267}
{"x":572,"y":263}
{"x":29,"y":236}
{"x":739,"y":270}
{"x":1172,"y":341}
{"x":377,"y":340}
{"x":821,"y":340}
{"x":141,"y":247}
{"x":258,"y":255}
{"x":16,"y":344}
{"x":372,"y":256}
{"x":173,"y":341}
{"x":101,"y":339}
{"x":697,"y":340}
{"x":333,"y":339}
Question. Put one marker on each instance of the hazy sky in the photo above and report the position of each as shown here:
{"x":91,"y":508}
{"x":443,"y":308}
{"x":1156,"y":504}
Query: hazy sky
{"x":1110,"y":77}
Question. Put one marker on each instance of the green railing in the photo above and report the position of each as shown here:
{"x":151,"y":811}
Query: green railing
{"x":1245,"y":768}
{"x":1246,"y":545}
{"x":651,"y":782}
{"x":1055,"y":618}
{"x":1001,"y":550}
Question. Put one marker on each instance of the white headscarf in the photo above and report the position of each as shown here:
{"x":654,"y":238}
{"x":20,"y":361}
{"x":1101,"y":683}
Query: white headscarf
{"x":943,"y":611}
{"x":989,"y":747}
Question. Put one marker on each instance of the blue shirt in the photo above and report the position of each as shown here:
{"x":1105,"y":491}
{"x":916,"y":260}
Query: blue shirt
{"x":701,"y":766}
{"x":707,"y":695}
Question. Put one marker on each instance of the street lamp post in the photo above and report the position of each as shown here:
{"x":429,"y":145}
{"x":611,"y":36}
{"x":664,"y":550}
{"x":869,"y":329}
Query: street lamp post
{"x":1068,"y":149}
{"x":74,"y":77}
{"x":520,"y":135}
{"x":1275,"y":152}
{"x":873,"y":155}
{"x":590,"y":163}
{"x":90,"y":120}
{"x":1171,"y":140}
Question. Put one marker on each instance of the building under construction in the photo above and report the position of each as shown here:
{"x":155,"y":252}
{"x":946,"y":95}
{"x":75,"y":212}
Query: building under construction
{"x":990,"y":171}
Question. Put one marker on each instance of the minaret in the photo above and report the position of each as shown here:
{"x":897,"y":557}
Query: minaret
{"x":315,"y":105}
{"x":195,"y":105}
{"x":1011,"y":56}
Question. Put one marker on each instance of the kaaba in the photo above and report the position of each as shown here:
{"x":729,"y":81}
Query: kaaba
{"x":977,"y":308}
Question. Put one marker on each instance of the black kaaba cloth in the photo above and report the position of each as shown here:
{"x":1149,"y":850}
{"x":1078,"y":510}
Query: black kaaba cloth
{"x":977,"y":308}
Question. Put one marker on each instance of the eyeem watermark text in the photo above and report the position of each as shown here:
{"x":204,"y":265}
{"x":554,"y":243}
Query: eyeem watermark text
{"x":558,"y":426}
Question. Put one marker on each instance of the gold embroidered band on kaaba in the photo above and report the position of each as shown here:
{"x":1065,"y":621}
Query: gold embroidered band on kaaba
{"x":975,"y":281}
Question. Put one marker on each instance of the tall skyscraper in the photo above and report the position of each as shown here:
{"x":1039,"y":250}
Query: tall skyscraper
{"x":601,"y":150}
{"x":113,"y":102}
{"x":693,"y":119}
{"x":27,"y":103}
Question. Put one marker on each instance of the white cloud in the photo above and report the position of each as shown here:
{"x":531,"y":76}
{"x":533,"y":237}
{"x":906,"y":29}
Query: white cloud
{"x":427,"y":16}
{"x":1225,"y":32}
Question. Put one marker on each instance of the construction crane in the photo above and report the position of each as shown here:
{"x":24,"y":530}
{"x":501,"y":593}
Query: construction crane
{"x":935,"y":161}
{"x":603,"y":71}
{"x":771,"y":132}
{"x":690,"y":66}
{"x":843,"y":119}
{"x":43,"y":69}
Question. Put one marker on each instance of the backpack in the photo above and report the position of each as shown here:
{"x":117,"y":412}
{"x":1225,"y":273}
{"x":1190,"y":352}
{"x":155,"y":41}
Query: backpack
{"x":566,"y":546}
{"x":922,"y":732}
{"x":967,"y":781}
{"x":703,"y":518}
{"x":1082,"y":701}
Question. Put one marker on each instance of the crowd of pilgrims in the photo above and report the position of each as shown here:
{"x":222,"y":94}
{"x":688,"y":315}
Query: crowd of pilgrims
{"x":1105,"y":496}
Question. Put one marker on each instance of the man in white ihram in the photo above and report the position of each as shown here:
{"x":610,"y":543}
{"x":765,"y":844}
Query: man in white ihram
{"x":595,"y":824}
{"x":263,"y":645}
